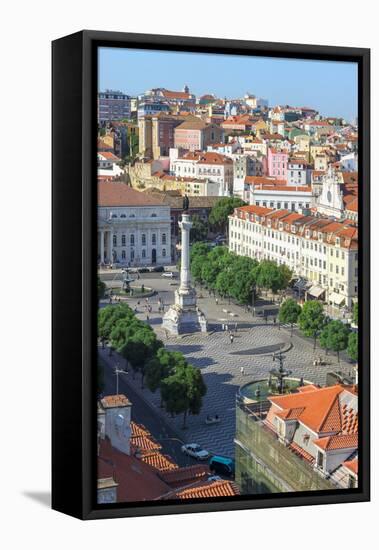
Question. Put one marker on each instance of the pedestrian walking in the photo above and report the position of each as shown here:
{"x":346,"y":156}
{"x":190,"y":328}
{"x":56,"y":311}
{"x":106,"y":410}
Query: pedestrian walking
{"x":216,"y":301}
{"x":231,"y":338}
{"x":242,"y":369}
{"x":147,"y":317}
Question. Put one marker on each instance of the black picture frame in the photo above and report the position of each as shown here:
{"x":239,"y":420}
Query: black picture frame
{"x":74,"y":88}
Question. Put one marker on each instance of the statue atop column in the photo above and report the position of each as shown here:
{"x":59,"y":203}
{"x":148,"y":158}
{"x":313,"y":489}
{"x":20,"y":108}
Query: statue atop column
{"x":185,"y":203}
{"x":184,"y":316}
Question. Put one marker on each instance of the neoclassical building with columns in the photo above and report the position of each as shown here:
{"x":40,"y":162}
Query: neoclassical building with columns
{"x":132,"y":228}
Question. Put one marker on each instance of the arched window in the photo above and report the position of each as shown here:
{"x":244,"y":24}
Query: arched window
{"x":132,"y":255}
{"x":164,"y":238}
{"x":163,"y":252}
{"x":143,"y":239}
{"x":132,"y":240}
{"x":123,"y":216}
{"x":143,"y":253}
{"x":123,"y":254}
{"x":153,"y":215}
{"x":153,"y":239}
{"x":132,"y":216}
{"x":114,"y":240}
{"x":123,"y":240}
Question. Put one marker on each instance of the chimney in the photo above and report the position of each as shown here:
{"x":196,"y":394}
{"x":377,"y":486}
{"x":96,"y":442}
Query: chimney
{"x":117,"y":421}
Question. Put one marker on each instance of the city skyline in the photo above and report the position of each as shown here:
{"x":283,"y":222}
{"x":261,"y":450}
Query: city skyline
{"x":279,"y":80}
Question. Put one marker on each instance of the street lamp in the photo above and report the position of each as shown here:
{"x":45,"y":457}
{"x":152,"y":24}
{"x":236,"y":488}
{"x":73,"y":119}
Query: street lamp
{"x":118,"y":371}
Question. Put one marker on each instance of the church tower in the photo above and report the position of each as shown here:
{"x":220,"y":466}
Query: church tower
{"x":330,"y":202}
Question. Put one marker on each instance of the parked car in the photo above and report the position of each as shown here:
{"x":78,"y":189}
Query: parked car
{"x":143,"y":270}
{"x":222,"y":466}
{"x":157,"y":269}
{"x":169,"y":274}
{"x":194,"y":450}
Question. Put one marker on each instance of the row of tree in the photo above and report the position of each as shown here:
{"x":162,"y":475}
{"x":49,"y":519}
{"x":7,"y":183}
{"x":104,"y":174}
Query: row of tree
{"x":333,"y":335}
{"x":233,"y":276}
{"x":180,"y":384}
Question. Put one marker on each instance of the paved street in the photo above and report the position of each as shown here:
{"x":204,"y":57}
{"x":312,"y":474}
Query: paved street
{"x":221,"y":362}
{"x":142,"y":413}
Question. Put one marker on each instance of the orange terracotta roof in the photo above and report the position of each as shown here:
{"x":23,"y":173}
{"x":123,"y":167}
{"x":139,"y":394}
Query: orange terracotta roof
{"x":214,"y":158}
{"x":299,"y":451}
{"x":352,"y":465}
{"x":221,"y":488}
{"x":290,"y":414}
{"x":109,"y":156}
{"x":159,"y":461}
{"x":320,"y":413}
{"x":175,"y":95}
{"x":144,"y":443}
{"x":185,"y":475}
{"x":253,"y":209}
{"x":264,"y":180}
{"x":341,"y":441}
{"x":120,"y":194}
{"x":114,"y":401}
{"x":136,"y":481}
{"x":138,"y":429}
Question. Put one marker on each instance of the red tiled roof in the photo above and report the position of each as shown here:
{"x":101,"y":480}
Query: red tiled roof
{"x":214,"y":158}
{"x":253,"y":209}
{"x":138,"y":429}
{"x":185,"y":475}
{"x":301,"y":452}
{"x":109,"y":156}
{"x":159,"y":461}
{"x":264,"y":180}
{"x":221,"y":488}
{"x":175,"y":95}
{"x":340,"y":441}
{"x":136,"y":480}
{"x":319,"y":412}
{"x":144,"y":443}
{"x":120,"y":194}
{"x":352,"y":465}
{"x":113,"y":401}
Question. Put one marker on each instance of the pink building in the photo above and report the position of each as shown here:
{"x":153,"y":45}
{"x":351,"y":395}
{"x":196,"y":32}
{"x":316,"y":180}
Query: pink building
{"x":194,"y":134}
{"x":277,"y":162}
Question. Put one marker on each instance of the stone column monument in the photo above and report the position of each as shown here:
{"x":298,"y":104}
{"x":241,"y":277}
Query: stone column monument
{"x":184,"y":316}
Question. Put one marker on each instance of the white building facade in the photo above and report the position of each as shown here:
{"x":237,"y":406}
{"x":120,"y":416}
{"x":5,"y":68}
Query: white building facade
{"x":133,"y":229}
{"x":320,"y":250}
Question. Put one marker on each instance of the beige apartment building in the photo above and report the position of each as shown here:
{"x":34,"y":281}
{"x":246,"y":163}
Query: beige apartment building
{"x":323,"y":251}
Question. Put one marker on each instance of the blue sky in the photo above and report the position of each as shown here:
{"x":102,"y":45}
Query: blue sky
{"x":328,"y":86}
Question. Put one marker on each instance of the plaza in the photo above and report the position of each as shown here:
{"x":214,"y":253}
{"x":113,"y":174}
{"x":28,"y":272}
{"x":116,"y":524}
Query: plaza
{"x":225,"y":366}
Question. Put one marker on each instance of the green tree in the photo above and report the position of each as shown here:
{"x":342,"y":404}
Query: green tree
{"x":312,"y":319}
{"x":289,"y":312}
{"x":272,"y":277}
{"x":199,"y":229}
{"x":218,"y":218}
{"x":108,"y":317}
{"x":183,"y":391}
{"x":198,"y":254}
{"x":140,"y":348}
{"x":352,"y":346}
{"x":243,"y":284}
{"x":161,"y":366}
{"x":101,"y":286}
{"x":336,"y":336}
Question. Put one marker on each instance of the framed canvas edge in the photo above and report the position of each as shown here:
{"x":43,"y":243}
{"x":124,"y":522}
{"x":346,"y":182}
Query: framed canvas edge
{"x":87,"y":459}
